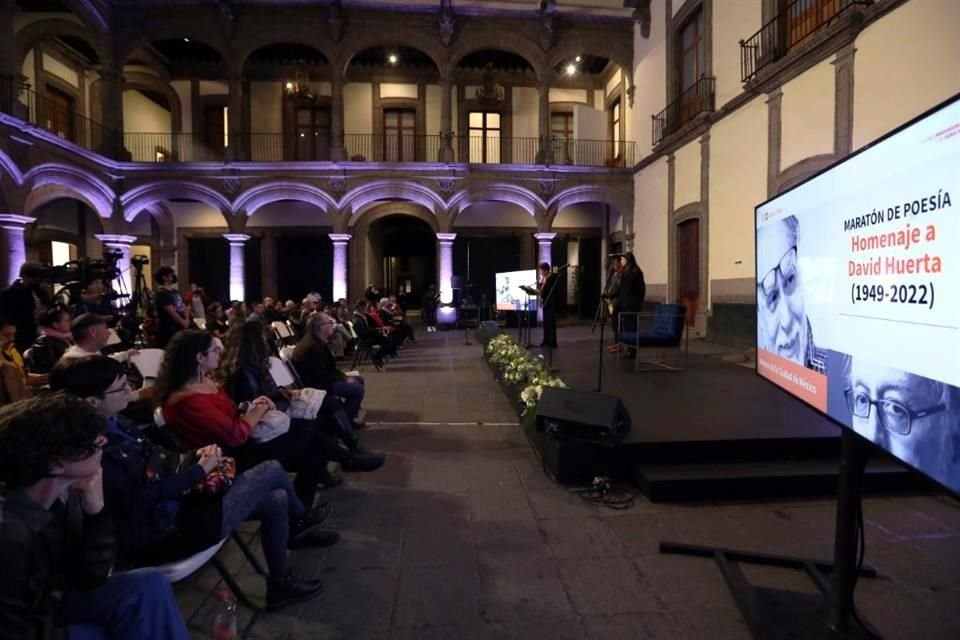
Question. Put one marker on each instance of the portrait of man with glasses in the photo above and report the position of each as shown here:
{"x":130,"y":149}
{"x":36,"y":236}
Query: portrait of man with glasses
{"x":914,"y":418}
{"x":782,"y":324}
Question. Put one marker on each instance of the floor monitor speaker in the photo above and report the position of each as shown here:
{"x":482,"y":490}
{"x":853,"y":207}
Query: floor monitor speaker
{"x":583,"y":416}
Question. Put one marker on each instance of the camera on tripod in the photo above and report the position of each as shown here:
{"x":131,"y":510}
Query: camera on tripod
{"x":138,"y":262}
{"x":75,"y":275}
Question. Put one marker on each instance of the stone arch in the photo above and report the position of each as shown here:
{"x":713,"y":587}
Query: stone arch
{"x":686,"y":213}
{"x":134,"y":80}
{"x":524,"y":198}
{"x":88,"y":12}
{"x":139,"y":198}
{"x":10,"y":170}
{"x":265,"y":38}
{"x":399,"y":35}
{"x":516,"y":44}
{"x":368,"y":193}
{"x":171,"y":28}
{"x":261,"y":195}
{"x":36,"y":32}
{"x":801,"y":170}
{"x":574,"y":44}
{"x":48,"y":182}
{"x":590,"y":193}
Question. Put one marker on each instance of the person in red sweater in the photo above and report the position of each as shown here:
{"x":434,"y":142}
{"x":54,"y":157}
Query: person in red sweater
{"x":200,"y":413}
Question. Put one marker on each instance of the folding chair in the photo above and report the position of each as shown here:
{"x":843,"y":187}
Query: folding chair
{"x":148,"y":362}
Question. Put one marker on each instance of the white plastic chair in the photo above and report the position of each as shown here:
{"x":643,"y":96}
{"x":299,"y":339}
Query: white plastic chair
{"x":148,"y":362}
{"x":114,"y":338}
{"x":280,"y":373}
{"x":200,"y":323}
{"x":281,"y":329}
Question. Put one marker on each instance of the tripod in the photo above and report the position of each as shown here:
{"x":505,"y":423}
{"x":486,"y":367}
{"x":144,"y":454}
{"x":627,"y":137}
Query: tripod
{"x":601,"y":317}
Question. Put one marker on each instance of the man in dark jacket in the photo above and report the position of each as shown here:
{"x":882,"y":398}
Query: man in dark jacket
{"x":54,"y":340}
{"x":550,"y":302}
{"x":24,"y":300}
{"x":317,"y":365}
{"x":50,"y":447}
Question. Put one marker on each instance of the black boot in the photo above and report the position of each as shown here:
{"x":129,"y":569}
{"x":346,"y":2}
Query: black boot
{"x":290,"y":589}
{"x":363,"y":461}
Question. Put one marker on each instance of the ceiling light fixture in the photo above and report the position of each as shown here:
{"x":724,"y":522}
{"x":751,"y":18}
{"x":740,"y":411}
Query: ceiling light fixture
{"x":186,"y":39}
{"x":571,"y":69}
{"x":392,"y":58}
{"x":579,"y":58}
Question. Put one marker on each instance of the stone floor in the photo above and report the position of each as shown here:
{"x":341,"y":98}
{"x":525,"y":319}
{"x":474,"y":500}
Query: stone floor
{"x":461,"y":536}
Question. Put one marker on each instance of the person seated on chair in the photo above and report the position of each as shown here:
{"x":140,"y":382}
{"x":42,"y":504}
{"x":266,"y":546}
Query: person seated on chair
{"x":200,"y":412}
{"x":318,"y":368}
{"x":158,"y":515}
{"x":392,"y":315}
{"x":380,"y":344}
{"x":244,"y":372}
{"x":54,"y":340}
{"x":15,"y":381}
{"x":55,"y":533}
{"x":377,"y":322}
{"x":216,"y":320}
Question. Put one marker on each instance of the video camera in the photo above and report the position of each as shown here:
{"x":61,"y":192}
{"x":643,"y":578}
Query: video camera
{"x":79,"y":273}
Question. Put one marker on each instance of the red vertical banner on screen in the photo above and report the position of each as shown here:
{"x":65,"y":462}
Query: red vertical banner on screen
{"x":806,"y":384}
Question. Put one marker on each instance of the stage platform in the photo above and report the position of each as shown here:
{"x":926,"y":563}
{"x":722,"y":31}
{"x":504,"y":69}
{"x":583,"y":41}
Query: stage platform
{"x":715,"y":429}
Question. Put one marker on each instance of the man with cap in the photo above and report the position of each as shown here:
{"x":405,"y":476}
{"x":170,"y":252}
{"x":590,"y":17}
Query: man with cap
{"x":24,"y":300}
{"x":90,"y":334}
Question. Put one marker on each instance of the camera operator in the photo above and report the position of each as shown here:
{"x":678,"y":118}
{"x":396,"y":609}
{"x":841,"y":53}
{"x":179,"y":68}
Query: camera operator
{"x":93,"y":299}
{"x":24,"y":300}
{"x":172,"y":314}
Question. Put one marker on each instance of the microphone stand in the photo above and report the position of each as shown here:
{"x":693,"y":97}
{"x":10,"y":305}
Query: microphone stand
{"x":600,"y":317}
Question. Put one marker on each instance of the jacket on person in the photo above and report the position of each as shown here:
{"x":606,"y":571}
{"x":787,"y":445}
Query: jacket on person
{"x":316,"y":365}
{"x":632,"y":291}
{"x":18,"y":302}
{"x":44,"y":353}
{"x":550,"y":297}
{"x":146,"y":489}
{"x":40,"y":547}
{"x":13,"y":379}
{"x":248,"y":383}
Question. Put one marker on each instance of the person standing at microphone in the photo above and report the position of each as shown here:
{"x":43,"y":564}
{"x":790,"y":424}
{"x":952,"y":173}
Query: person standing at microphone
{"x":548,"y":302}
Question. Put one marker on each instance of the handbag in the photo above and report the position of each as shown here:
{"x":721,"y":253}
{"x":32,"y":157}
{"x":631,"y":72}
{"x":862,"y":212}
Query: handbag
{"x":217,"y":481}
{"x":307,"y":404}
{"x":274,"y":423}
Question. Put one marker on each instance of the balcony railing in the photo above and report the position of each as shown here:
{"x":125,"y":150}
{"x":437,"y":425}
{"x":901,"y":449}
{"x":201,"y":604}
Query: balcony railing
{"x":697,"y":99}
{"x":368,"y":147}
{"x":787,"y":29}
{"x":56,"y":116}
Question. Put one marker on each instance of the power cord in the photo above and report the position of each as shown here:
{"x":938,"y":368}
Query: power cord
{"x":861,"y":552}
{"x":604,"y":494}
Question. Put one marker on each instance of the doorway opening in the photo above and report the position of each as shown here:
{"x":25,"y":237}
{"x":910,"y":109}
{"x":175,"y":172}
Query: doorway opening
{"x":404,"y":257}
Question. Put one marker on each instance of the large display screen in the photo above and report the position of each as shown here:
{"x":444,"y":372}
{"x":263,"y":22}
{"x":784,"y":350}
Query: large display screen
{"x":858,"y":292}
{"x":510,"y":297}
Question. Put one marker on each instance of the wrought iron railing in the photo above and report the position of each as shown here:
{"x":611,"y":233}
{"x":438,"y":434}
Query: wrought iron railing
{"x":799,"y":20}
{"x":174,"y":147}
{"x":697,"y":99}
{"x":391,"y":147}
{"x":51,"y":115}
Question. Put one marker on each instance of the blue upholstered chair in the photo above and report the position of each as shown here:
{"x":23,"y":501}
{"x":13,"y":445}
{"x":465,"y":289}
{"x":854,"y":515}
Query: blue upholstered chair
{"x":665,"y":332}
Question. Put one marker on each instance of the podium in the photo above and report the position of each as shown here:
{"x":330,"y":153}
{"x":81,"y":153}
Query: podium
{"x":524,"y":318}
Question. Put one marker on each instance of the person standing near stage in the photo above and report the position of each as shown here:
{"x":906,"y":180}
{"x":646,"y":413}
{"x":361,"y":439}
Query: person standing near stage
{"x":629,"y":296}
{"x":613,"y":287}
{"x":549,"y":303}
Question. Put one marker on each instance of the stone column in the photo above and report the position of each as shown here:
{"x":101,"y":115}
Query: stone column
{"x":445,"y":265}
{"x":545,"y":242}
{"x":446,"y":123}
{"x":340,"y":244}
{"x":235,"y":151}
{"x":338,"y":152}
{"x":544,"y":156}
{"x":12,"y":246}
{"x":237,"y":269}
{"x":121,"y":243}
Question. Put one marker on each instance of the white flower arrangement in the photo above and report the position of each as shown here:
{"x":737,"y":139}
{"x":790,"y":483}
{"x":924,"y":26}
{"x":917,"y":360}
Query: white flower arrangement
{"x":518,"y":368}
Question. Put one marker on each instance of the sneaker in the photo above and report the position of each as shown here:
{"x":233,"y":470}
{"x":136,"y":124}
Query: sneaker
{"x":291,"y":589}
{"x":314,"y":538}
{"x":310,"y":520}
{"x":364,"y":462}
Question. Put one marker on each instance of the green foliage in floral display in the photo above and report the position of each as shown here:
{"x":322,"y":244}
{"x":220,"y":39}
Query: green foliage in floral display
{"x":521,"y":371}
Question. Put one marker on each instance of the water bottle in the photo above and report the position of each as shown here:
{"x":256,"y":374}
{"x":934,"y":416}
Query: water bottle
{"x":225,"y":617}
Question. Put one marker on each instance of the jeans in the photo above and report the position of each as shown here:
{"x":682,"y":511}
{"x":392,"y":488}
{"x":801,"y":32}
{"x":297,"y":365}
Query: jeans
{"x":264,"y":493}
{"x":352,"y":394}
{"x":137,"y":605}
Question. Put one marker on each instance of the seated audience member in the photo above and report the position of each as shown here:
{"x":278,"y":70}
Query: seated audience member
{"x":90,"y":336}
{"x":318,"y":368}
{"x":54,"y":340}
{"x":157,"y":514}
{"x":216,"y":320}
{"x":380,"y":344}
{"x":201,"y":413}
{"x":15,"y":382}
{"x":245,"y":373}
{"x":56,"y":535}
{"x":93,"y":299}
{"x":392,"y":315}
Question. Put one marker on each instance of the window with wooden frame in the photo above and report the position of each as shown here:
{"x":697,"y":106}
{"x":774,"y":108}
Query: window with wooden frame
{"x":399,"y":135}
{"x":311,"y":133}
{"x":614,"y":115}
{"x":803,"y":17}
{"x":691,"y":66}
{"x":561,"y":133}
{"x":484,"y":137}
{"x":688,"y":266}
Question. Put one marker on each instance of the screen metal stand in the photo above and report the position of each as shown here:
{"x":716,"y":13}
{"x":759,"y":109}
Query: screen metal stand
{"x":773,"y":613}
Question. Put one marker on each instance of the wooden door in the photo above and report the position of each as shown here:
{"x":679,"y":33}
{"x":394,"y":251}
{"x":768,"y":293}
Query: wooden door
{"x":806,"y":16}
{"x":688,"y":267}
{"x":214,"y":132}
{"x":399,"y":135}
{"x":59,"y":113}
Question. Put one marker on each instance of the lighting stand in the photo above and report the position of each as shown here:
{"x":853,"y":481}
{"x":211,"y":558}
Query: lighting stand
{"x":769,"y":612}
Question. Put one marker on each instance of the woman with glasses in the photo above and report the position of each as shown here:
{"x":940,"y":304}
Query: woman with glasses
{"x":782,"y":324}
{"x":914,"y":418}
{"x":158,"y":516}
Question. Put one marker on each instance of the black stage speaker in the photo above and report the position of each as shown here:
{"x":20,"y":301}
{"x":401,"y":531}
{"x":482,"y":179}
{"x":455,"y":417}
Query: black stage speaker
{"x":582,"y":416}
